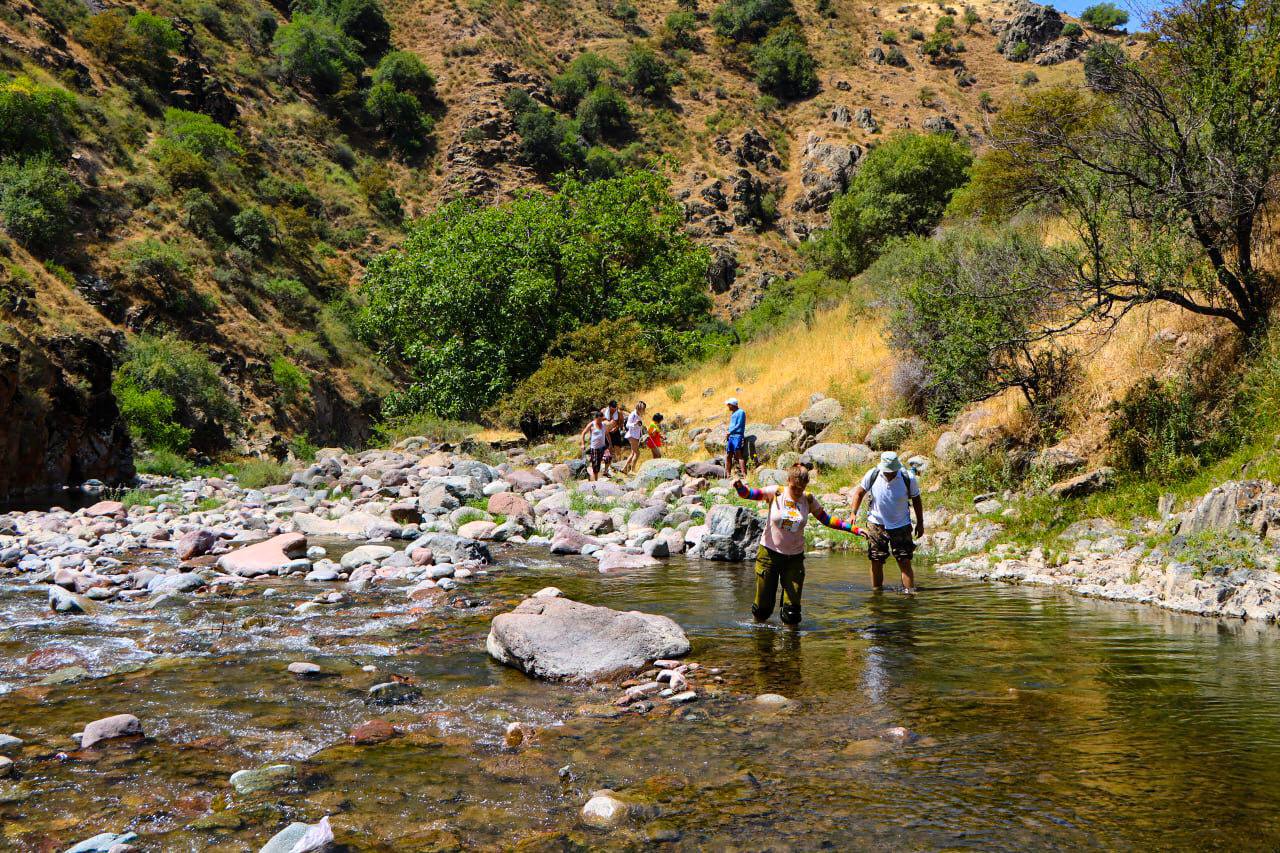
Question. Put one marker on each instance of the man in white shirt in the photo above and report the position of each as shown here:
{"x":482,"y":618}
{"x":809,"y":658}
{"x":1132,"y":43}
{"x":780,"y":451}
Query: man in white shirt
{"x":894,"y":493}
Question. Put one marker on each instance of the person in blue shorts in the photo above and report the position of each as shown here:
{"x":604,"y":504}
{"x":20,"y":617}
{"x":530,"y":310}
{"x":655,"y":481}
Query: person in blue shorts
{"x":735,"y":444}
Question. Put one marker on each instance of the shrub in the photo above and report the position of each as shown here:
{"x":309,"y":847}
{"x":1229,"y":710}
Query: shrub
{"x":1029,"y":78}
{"x":787,"y":302}
{"x":1105,"y":17}
{"x":971,"y":18}
{"x":360,"y":20}
{"x":585,"y":73}
{"x":34,"y":118}
{"x":783,"y":65}
{"x":902,"y":187}
{"x":750,"y":20}
{"x":915,"y":34}
{"x":1101,"y":61}
{"x":398,"y":116}
{"x":405,"y":72}
{"x":601,"y":163}
{"x":603,"y":115}
{"x":1019,"y":52}
{"x":174,"y":369}
{"x":179,"y":166}
{"x":548,"y":143}
{"x":149,"y":416}
{"x":375,"y":185}
{"x":198,"y":133}
{"x":927,"y":96}
{"x":1072,"y":30}
{"x":1157,"y":428}
{"x":290,"y":295}
{"x":477,"y":294}
{"x":200,"y":213}
{"x":292,"y":384}
{"x":252,"y":230}
{"x":35,"y":200}
{"x":141,"y":44}
{"x":680,"y":30}
{"x":314,"y":50}
{"x":945,"y":24}
{"x":889,"y":37}
{"x":625,"y":11}
{"x":647,"y":75}
{"x":986,"y":103}
{"x":156,"y":260}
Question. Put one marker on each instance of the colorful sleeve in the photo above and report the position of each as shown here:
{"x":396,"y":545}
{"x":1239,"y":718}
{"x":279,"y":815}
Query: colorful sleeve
{"x":836,"y":523}
{"x":747,"y":493}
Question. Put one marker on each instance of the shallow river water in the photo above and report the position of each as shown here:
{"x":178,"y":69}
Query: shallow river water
{"x":1040,"y":721}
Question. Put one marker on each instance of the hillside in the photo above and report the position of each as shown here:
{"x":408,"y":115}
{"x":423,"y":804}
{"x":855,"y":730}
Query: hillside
{"x":249,"y":254}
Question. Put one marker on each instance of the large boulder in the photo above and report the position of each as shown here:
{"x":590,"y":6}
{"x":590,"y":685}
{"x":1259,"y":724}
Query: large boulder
{"x":511,"y":505}
{"x":950,"y":447}
{"x":264,"y":557}
{"x":617,"y":560}
{"x":825,"y":171}
{"x":569,"y":541}
{"x":821,"y":414}
{"x":732,"y":533}
{"x":110,"y":728}
{"x":659,"y":470}
{"x":459,"y":548}
{"x":1233,"y":505}
{"x":1033,"y":25}
{"x":196,"y":543}
{"x":889,"y":433}
{"x":353,"y":524}
{"x":526,"y":479}
{"x":559,"y":639}
{"x":1057,"y":462}
{"x":829,"y":455}
{"x":709,"y":470}
{"x":772,"y":442}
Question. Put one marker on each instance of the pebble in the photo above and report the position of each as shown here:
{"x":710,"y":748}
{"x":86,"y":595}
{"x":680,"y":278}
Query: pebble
{"x":304,"y":668}
{"x":772,"y":700}
{"x":604,"y":810}
{"x":262,"y":778}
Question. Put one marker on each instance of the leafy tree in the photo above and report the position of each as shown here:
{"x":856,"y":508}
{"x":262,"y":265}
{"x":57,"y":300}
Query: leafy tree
{"x":680,"y":30}
{"x":1099,"y":60}
{"x":399,"y":117}
{"x":750,"y":20}
{"x":783,"y":65}
{"x":600,"y":163}
{"x":902,"y":187}
{"x":405,"y":72}
{"x":647,"y":75}
{"x":36,"y":195}
{"x":252,"y":229}
{"x":361,"y":20}
{"x":587,"y":71}
{"x":292,"y":384}
{"x":200,"y":134}
{"x":977,"y":311}
{"x":971,"y":18}
{"x":141,"y":44}
{"x":1105,"y":17}
{"x":1072,"y":30}
{"x":603,"y":115}
{"x":1167,"y":173}
{"x":548,"y":142}
{"x":33,"y":117}
{"x":314,"y":50}
{"x":476,"y":295}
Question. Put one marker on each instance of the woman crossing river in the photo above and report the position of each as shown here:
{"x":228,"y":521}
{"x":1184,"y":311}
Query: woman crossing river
{"x":780,"y":560}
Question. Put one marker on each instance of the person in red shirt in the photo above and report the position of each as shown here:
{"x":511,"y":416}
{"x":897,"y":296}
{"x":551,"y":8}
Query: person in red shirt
{"x":654,"y":441}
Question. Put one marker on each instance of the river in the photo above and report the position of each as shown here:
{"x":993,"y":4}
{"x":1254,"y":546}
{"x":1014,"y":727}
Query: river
{"x":1039,"y":721}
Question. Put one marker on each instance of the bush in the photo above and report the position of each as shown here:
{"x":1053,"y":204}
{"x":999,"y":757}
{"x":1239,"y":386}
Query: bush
{"x":603,"y":115}
{"x":313,"y":50}
{"x":927,"y":96}
{"x":34,"y":118}
{"x":1105,"y":17}
{"x":889,"y":37}
{"x":787,"y":302}
{"x":477,"y":294}
{"x":361,"y":20}
{"x":174,"y":369}
{"x":399,"y":117}
{"x":292,"y":385}
{"x":1019,"y":52}
{"x":971,"y":18}
{"x":783,"y":65}
{"x":291,"y":296}
{"x":405,"y":72}
{"x":548,"y":143}
{"x":1157,"y":429}
{"x":141,"y":44}
{"x":35,"y":200}
{"x":587,"y":71}
{"x":1101,"y":61}
{"x":915,"y":34}
{"x":750,"y":20}
{"x":1029,"y":78}
{"x":600,"y":163}
{"x":198,"y":133}
{"x":902,"y":187}
{"x":582,"y":370}
{"x":158,"y":261}
{"x":646,"y":75}
{"x":680,"y":30}
{"x":1072,"y":30}
{"x":252,"y":230}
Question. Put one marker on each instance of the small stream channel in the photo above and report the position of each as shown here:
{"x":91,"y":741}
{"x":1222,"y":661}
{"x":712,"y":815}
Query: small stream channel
{"x":1041,"y":720}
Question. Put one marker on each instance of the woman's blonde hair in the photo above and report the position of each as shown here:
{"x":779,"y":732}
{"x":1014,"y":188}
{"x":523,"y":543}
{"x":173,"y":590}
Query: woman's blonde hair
{"x":799,"y":475}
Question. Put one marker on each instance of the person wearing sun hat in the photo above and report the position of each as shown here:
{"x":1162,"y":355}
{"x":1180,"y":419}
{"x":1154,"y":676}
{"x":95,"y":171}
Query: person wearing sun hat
{"x":894,"y":492}
{"x":735,"y":441}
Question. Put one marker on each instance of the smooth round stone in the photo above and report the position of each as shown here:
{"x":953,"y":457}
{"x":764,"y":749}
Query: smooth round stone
{"x":304,"y":668}
{"x":604,"y":811}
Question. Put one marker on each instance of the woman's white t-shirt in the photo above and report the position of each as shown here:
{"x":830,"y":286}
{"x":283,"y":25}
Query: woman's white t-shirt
{"x":635,"y":426}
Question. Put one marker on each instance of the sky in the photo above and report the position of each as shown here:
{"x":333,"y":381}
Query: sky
{"x":1137,"y":11}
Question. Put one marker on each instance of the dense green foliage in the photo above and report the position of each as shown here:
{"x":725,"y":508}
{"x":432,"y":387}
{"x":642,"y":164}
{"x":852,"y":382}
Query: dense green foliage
{"x":477,"y":294}
{"x":171,"y":393}
{"x":587,"y":71}
{"x":647,"y":75}
{"x":788,"y":302}
{"x":399,"y":117}
{"x":750,"y":20}
{"x":36,"y":195}
{"x":1072,"y":30}
{"x":783,"y":65}
{"x":141,"y":44}
{"x":33,"y":118}
{"x":1105,"y":16}
{"x":314,"y":50}
{"x":603,"y":115}
{"x":679,"y":30}
{"x":1157,"y":429}
{"x":292,"y":385}
{"x":548,"y":141}
{"x":405,"y":72}
{"x":361,"y":20}
{"x":902,"y":187}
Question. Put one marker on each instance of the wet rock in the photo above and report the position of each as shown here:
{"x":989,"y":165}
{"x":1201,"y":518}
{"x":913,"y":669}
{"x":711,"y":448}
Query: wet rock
{"x":109,"y":728}
{"x":570,"y":541}
{"x":373,"y":731}
{"x":181,"y":582}
{"x":732,"y":532}
{"x":683,"y":697}
{"x":772,"y":700}
{"x":65,"y":601}
{"x":304,"y":668}
{"x":458,"y":548}
{"x":393,"y":693}
{"x":365,"y":554}
{"x":516,"y":734}
{"x":613,"y":560}
{"x":6,"y":767}
{"x":605,"y":811}
{"x":169,"y":599}
{"x":1085,"y":484}
{"x":288,"y":839}
{"x":557,"y":638}
{"x":263,"y":778}
{"x":103,"y":842}
{"x":264,"y":557}
{"x":196,"y":543}
{"x":9,"y":742}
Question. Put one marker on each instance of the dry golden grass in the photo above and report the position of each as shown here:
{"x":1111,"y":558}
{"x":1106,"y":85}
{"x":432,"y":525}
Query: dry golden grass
{"x":774,"y":378}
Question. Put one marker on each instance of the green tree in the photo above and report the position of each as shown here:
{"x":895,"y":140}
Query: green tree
{"x":680,"y":30}
{"x":253,"y":230}
{"x":156,"y":369}
{"x":200,"y":134}
{"x":476,"y":295}
{"x":361,"y":20}
{"x":647,"y":75}
{"x":1105,"y":17}
{"x":313,"y":50}
{"x":783,"y":65}
{"x":603,"y":115}
{"x":1166,"y":174}
{"x":548,"y":142}
{"x":977,"y":312}
{"x":399,"y":117}
{"x":36,"y":195}
{"x":587,"y":71}
{"x":902,"y":187}
{"x":34,"y":118}
{"x":750,"y":20}
{"x":406,"y":73}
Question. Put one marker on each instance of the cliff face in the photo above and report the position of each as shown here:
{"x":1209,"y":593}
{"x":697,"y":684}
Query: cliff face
{"x":60,"y":425}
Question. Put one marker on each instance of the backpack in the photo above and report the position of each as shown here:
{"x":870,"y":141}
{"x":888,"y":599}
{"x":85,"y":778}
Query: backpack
{"x":905,"y":472}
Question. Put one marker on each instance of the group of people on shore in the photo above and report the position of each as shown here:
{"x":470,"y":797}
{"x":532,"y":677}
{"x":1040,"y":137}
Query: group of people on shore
{"x":610,"y":431}
{"x":890,"y":490}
